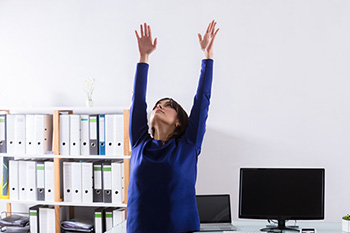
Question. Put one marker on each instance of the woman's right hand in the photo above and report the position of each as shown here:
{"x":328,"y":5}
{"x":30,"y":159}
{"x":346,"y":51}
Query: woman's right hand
{"x":146,"y":46}
{"x":207,"y":41}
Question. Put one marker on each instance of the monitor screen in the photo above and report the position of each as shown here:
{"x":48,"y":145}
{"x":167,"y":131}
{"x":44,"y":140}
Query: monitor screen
{"x":282,"y":193}
{"x":214,"y":208}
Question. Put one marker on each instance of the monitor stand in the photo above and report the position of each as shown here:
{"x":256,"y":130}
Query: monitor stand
{"x":281,"y":226}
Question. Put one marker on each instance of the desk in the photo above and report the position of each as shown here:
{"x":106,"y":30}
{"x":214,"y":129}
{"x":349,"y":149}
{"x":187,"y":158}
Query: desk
{"x":321,"y":227}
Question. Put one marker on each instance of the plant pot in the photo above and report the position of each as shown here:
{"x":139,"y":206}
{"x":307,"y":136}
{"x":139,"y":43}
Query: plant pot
{"x":345,"y":225}
{"x":89,"y":103}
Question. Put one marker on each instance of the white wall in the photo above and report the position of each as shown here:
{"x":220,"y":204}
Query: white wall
{"x":280,"y":93}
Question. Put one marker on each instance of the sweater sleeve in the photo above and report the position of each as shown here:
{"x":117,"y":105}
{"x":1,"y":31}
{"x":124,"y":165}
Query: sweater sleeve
{"x":138,"y":112}
{"x":199,"y":112}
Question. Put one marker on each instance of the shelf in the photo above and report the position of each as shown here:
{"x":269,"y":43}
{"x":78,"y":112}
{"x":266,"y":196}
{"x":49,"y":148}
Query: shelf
{"x":76,"y":110}
{"x":95,"y":204}
{"x":56,"y":157}
{"x":52,"y":156}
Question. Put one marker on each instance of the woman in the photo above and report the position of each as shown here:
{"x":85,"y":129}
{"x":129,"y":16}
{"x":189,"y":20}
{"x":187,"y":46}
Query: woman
{"x":162,"y":197}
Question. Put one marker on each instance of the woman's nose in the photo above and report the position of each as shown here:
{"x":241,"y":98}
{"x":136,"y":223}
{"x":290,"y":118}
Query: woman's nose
{"x":159,"y":106}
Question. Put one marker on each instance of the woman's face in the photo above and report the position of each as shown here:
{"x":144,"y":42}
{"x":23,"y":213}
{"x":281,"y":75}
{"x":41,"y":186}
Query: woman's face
{"x":165,"y":113}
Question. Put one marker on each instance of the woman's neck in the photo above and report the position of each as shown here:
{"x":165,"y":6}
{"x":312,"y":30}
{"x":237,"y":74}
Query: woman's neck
{"x":163,"y":133}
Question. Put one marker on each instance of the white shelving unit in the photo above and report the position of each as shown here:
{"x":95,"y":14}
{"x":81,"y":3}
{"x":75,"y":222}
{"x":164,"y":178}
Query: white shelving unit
{"x":82,"y":157}
{"x":56,"y":157}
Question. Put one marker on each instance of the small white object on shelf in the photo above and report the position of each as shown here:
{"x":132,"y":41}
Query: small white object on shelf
{"x":89,"y":103}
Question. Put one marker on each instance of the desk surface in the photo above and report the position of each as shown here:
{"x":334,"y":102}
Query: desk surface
{"x":321,"y":227}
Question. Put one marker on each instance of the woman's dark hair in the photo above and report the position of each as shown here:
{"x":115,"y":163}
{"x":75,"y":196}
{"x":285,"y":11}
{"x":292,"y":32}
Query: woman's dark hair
{"x":181,"y":116}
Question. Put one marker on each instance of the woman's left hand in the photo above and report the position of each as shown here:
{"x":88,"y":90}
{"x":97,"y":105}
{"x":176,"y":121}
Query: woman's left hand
{"x":207,"y":41}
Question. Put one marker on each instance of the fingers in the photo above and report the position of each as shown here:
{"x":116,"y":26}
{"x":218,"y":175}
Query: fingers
{"x":145,"y":31}
{"x":216,"y":32}
{"x":141,"y":30}
{"x":199,"y":37}
{"x":155,"y":43}
{"x":149,"y":31}
{"x":211,"y":27}
{"x":214,"y":35}
{"x":212,"y":39}
{"x":208,"y":28}
{"x":137,"y":35}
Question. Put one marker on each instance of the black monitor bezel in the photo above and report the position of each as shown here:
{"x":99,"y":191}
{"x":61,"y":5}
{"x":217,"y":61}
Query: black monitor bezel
{"x":277,"y":217}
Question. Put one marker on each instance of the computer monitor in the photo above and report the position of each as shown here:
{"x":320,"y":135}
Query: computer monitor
{"x":282,"y":194}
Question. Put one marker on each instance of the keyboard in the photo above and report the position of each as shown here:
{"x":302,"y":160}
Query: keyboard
{"x":241,"y":231}
{"x":220,"y":227}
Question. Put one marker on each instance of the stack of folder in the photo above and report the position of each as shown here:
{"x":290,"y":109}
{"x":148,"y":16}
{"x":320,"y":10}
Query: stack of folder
{"x":31,"y":180}
{"x":26,"y":134}
{"x":88,"y":182}
{"x":76,"y":225}
{"x":101,"y":134}
{"x":107,"y":218}
{"x":20,"y":134}
{"x":42,"y":219}
{"x":15,"y":223}
{"x":32,"y":134}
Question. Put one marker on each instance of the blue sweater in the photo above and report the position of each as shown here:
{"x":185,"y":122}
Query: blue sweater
{"x":162,"y":196}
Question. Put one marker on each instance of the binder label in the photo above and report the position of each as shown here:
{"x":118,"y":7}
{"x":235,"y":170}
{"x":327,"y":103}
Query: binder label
{"x":93,"y":128}
{"x":33,"y":213}
{"x":98,"y":177}
{"x":102,"y":129}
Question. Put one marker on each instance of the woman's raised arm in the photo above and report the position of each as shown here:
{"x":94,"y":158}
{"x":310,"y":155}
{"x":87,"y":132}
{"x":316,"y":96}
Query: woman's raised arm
{"x":138,"y":111}
{"x":199,"y":112}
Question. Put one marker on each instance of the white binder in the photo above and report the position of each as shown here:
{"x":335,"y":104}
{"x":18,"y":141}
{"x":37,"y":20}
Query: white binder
{"x":34,"y":219}
{"x":49,"y":181}
{"x":76,"y":182}
{"x":11,"y":133}
{"x":16,"y":134}
{"x":99,"y":223}
{"x":114,"y":134}
{"x":67,"y":182}
{"x":74,"y":136}
{"x":117,"y":183}
{"x":43,"y":219}
{"x":43,"y":134}
{"x":64,"y":134}
{"x":20,"y":135}
{"x":109,"y":218}
{"x":118,"y":216}
{"x":47,"y":219}
{"x":87,"y":182}
{"x":84,"y":135}
{"x":13,"y":179}
{"x":31,"y":181}
{"x":22,"y":180}
{"x":51,"y":220}
{"x":30,"y":135}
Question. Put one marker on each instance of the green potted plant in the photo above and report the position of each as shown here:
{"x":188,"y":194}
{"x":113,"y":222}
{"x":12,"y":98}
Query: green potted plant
{"x":346,"y":223}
